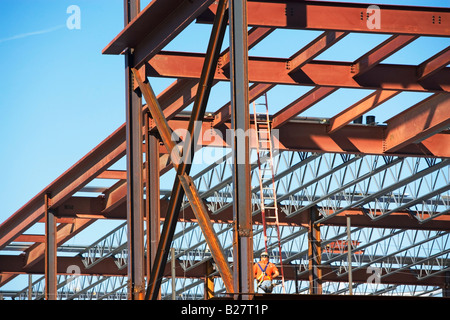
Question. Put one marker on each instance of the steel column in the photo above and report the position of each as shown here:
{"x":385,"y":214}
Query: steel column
{"x":349,"y":256}
{"x":194,"y":130}
{"x":135,"y":208}
{"x":314,"y":253}
{"x":50,"y":252}
{"x":240,"y":121}
{"x":154,"y":194}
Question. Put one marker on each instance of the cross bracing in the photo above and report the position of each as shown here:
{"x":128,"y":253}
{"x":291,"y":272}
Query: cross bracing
{"x":391,"y":179}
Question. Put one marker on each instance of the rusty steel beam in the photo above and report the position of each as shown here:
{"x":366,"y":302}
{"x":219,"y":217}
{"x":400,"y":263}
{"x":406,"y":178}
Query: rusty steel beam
{"x":13,"y":265}
{"x":401,"y":219}
{"x":313,"y":49}
{"x":301,"y":104}
{"x":113,"y":174}
{"x":155,"y":26}
{"x":356,"y":110}
{"x":434,"y":64}
{"x":418,"y":122}
{"x":387,"y":48}
{"x":347,"y":17}
{"x":356,"y":140}
{"x":157,"y":115}
{"x":314,"y":73}
{"x":203,"y":220}
{"x":204,"y":88}
{"x":298,"y":135}
{"x":30,"y":238}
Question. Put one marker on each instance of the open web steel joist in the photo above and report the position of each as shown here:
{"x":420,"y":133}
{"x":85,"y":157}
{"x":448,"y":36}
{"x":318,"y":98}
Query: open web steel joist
{"x":390,"y":180}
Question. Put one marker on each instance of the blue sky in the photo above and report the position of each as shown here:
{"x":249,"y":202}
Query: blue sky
{"x":60,"y":96}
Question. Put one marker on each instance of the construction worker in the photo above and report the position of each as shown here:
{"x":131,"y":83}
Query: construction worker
{"x":264,"y":272}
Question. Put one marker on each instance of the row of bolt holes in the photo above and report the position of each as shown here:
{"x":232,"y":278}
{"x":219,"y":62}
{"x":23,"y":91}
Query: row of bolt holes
{"x":290,"y":11}
{"x":434,"y":18}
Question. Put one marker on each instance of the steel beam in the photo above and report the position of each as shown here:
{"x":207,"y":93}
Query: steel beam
{"x":154,"y":202}
{"x":387,"y":48}
{"x":184,"y":166}
{"x":314,"y":73}
{"x":347,"y":17}
{"x":301,"y":104}
{"x":205,"y":224}
{"x":399,"y":218}
{"x":155,"y":26}
{"x":435,"y":63}
{"x":313,"y":49}
{"x":418,"y":122}
{"x":356,"y":110}
{"x":13,"y":265}
{"x":240,"y":123}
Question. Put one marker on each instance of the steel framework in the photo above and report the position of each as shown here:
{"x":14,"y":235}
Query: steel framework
{"x":385,"y":186}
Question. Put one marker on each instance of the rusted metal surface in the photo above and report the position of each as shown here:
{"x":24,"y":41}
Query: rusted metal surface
{"x":420,"y":131}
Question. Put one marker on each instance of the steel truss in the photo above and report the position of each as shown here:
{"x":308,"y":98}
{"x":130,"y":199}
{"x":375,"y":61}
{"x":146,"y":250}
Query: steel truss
{"x":390,"y":250}
{"x":392,"y":180}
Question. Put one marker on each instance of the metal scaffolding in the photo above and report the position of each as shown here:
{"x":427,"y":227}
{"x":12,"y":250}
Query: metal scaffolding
{"x":363,"y":208}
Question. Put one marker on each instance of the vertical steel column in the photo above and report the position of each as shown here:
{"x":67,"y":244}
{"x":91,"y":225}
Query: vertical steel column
{"x":153,"y":198}
{"x":314,"y":253}
{"x":240,"y":120}
{"x":349,"y":256}
{"x":155,"y":210}
{"x":194,"y":127}
{"x":135,"y":208}
{"x":50,"y":252}
{"x":174,"y":275}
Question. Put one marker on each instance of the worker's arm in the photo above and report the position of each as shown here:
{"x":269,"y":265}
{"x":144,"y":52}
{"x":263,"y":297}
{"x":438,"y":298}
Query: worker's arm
{"x":275,"y":272}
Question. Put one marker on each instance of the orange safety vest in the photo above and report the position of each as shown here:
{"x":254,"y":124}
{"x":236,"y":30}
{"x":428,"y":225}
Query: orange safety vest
{"x":264,"y":272}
